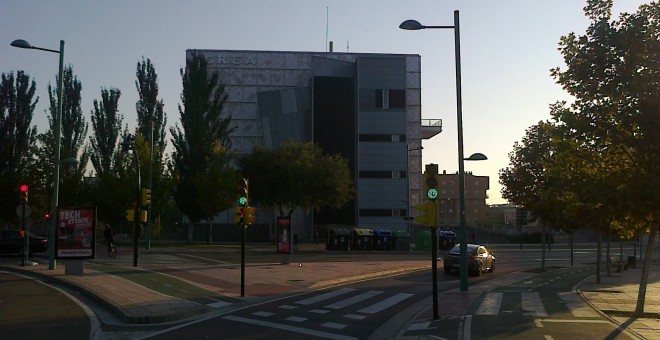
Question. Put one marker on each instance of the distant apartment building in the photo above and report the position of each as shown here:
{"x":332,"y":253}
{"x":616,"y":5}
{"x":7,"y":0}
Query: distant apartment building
{"x":364,"y":106}
{"x":447,"y":203}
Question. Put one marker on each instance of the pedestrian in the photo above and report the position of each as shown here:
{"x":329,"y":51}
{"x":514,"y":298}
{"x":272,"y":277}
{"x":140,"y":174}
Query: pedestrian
{"x":109,"y":238}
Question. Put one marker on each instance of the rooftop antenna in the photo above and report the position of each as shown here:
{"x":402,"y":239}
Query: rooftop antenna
{"x":327,"y":10}
{"x":347,"y":46}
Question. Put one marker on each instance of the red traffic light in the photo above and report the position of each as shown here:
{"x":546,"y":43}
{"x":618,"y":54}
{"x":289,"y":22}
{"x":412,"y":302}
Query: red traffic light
{"x":47,"y":216}
{"x":23,"y":187}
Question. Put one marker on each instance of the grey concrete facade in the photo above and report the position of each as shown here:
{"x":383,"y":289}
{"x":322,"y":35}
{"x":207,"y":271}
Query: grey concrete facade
{"x":278,"y":96}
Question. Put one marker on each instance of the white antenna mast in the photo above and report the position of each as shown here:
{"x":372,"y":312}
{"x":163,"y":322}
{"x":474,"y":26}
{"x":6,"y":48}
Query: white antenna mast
{"x":347,"y":46}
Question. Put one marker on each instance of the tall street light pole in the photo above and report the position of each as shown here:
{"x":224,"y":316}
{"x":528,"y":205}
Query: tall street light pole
{"x":56,"y":153}
{"x":415,"y":25}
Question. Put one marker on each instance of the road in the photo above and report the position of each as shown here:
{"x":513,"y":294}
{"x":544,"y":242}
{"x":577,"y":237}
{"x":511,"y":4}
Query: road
{"x":355,"y":310}
{"x":352,"y":311}
{"x":35,"y":310}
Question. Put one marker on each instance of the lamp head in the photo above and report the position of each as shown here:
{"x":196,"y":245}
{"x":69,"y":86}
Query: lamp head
{"x":477,"y":157}
{"x":411,"y":25}
{"x":20,"y":43}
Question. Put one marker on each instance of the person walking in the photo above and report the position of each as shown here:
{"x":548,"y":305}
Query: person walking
{"x":110,"y":240}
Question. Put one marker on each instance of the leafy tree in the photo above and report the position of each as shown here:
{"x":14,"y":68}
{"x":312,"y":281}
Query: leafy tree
{"x":110,"y":164}
{"x":17,"y":103}
{"x":297,"y":175}
{"x":613,"y":73}
{"x":72,"y":143}
{"x":201,"y":157}
{"x":151,"y":131}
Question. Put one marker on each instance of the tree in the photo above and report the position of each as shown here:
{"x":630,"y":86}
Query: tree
{"x":297,"y":175}
{"x":151,"y":130}
{"x":72,"y":142}
{"x":613,"y":73}
{"x":201,"y":145}
{"x":17,"y":103}
{"x":110,"y":164}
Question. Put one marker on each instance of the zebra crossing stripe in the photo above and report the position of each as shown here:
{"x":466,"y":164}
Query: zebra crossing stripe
{"x":355,"y":299}
{"x":384,"y":304}
{"x":325,"y":296}
{"x":490,"y":305}
{"x":532,"y":305}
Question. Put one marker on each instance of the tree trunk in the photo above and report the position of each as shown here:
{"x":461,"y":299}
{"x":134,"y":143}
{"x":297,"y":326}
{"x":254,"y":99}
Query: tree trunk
{"x":209,"y":239}
{"x":607,"y":256}
{"x":543,"y":240}
{"x":641,"y":295}
{"x":191,"y":227}
{"x":599,"y":256}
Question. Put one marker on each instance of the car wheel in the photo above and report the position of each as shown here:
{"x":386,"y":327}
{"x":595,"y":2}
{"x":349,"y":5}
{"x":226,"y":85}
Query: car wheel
{"x":492,"y":266}
{"x":480,"y":269}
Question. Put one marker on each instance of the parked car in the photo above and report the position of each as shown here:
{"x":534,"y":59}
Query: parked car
{"x":480,"y":259}
{"x":11,"y":242}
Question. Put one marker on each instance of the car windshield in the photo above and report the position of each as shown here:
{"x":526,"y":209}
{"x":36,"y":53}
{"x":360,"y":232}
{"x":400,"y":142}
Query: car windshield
{"x":471,"y":249}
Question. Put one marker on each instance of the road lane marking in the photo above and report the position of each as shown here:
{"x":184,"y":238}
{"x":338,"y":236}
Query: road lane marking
{"x":288,"y":328}
{"x":218,"y":304}
{"x":326,"y":296}
{"x":319,"y":311}
{"x":296,"y":319}
{"x":490,"y":305}
{"x":355,"y":316}
{"x":355,"y":299}
{"x":334,"y":325}
{"x":263,"y":314}
{"x":384,"y":304}
{"x":287,"y":307}
{"x":532,"y":305}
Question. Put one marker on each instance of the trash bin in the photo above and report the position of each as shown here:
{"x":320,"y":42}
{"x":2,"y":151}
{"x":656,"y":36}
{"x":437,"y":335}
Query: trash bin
{"x":632,"y":262}
{"x":382,"y":239}
{"x":401,"y":240}
{"x":423,"y":240}
{"x":338,"y":239}
{"x":446,"y":240}
{"x":362,"y":239}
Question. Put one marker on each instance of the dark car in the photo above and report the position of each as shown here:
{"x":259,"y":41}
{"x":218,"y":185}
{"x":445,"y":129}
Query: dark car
{"x":11,"y":242}
{"x":479,"y":259}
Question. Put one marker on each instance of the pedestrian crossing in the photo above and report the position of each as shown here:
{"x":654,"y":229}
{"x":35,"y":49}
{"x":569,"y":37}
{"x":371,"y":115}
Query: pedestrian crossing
{"x":531,"y":304}
{"x":333,"y":310}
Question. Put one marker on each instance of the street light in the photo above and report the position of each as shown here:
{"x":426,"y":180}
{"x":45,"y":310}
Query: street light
{"x":57,"y":135}
{"x":408,"y":186}
{"x":415,"y":25}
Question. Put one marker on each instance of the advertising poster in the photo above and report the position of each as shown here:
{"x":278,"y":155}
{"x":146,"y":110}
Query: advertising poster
{"x":76,"y":237}
{"x":284,"y":235}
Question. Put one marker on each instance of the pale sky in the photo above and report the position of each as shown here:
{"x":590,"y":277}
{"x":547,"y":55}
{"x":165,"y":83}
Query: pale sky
{"x":507,"y":50}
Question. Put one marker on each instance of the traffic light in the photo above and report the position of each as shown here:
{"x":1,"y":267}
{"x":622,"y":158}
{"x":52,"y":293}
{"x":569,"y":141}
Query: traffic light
{"x":146,"y":196}
{"x":250,"y":215}
{"x":427,"y":213}
{"x":130,"y":215}
{"x":47,"y":217}
{"x":239,"y":215}
{"x":24,"y":193}
{"x":243,"y":192}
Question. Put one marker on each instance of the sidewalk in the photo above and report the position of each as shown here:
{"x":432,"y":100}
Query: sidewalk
{"x":134,"y":303}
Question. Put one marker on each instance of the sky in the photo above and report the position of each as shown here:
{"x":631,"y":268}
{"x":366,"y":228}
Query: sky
{"x":507,"y":50}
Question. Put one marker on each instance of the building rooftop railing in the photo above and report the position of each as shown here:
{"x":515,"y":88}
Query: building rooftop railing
{"x":432,"y":122}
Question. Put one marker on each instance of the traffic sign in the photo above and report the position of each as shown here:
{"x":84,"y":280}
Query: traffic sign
{"x":432,"y":194}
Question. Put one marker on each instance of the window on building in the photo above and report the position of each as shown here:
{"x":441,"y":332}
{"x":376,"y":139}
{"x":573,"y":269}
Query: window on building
{"x":382,"y":174}
{"x":390,"y":99}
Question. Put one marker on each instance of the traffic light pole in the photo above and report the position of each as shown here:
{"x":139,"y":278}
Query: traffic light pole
{"x":434,"y":262}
